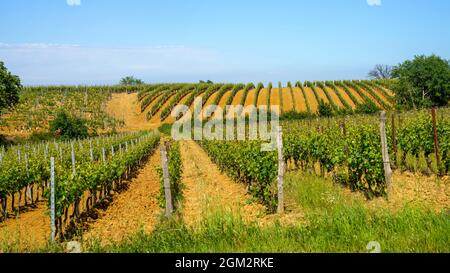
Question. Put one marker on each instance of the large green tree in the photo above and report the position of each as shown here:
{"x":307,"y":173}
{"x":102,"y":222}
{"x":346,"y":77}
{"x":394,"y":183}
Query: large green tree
{"x":422,"y":82}
{"x":130,"y":80}
{"x":9,"y":88}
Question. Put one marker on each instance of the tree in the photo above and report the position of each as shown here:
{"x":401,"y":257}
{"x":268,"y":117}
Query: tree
{"x":423,"y":82}
{"x":130,"y":80}
{"x":9,"y":88}
{"x":66,"y":127}
{"x":381,"y":72}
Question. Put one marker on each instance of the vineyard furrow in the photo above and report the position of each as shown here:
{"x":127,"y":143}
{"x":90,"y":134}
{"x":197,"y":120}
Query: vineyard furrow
{"x":312,"y":100}
{"x":288,"y":105}
{"x":275,"y":97}
{"x":346,"y":97}
{"x":262,"y":97}
{"x":334,"y":97}
{"x":183,"y":101}
{"x":131,"y":210}
{"x":207,"y":190}
{"x":300,"y":101}
{"x":250,"y":99}
{"x":238,"y":97}
{"x":26,"y":232}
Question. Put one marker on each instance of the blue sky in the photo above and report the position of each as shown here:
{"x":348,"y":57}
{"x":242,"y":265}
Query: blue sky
{"x":100,"y":41}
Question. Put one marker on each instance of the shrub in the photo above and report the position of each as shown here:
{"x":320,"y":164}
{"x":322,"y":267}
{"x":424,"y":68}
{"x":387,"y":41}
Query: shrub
{"x":292,"y":115}
{"x":367,"y":108}
{"x":325,"y":110}
{"x":66,"y":127}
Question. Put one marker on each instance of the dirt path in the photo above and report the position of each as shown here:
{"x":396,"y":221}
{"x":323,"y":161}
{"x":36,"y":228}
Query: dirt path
{"x":207,"y":190}
{"x":127,"y":107}
{"x":28,"y":231}
{"x":131,"y":210}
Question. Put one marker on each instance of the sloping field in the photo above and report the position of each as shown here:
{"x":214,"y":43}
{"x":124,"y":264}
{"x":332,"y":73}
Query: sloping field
{"x":110,"y":109}
{"x":237,"y":98}
{"x":335,"y":97}
{"x":250,"y":97}
{"x":126,"y":107}
{"x":346,"y":98}
{"x":356,"y":95}
{"x":300,"y":100}
{"x":224,"y":99}
{"x":345,"y":92}
{"x":275,"y":97}
{"x":311,"y":99}
{"x":262,"y":98}
{"x":171,"y":119}
{"x":322,"y":95}
{"x":287,"y":100}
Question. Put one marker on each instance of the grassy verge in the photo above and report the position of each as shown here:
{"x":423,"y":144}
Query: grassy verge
{"x":335,"y":223}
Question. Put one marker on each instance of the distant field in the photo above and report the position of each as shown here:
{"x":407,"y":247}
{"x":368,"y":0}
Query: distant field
{"x":346,"y":94}
{"x":108,"y":107}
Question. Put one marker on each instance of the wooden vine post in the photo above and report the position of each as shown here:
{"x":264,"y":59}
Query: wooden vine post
{"x":167,"y":192}
{"x":344,"y":134}
{"x":52,"y":198}
{"x":394,"y":137}
{"x":77,"y":198}
{"x":435,"y":137}
{"x":281,"y":167}
{"x":384,"y":151}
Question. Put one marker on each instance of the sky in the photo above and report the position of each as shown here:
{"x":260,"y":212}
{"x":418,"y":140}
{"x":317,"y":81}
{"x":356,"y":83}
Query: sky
{"x":88,"y":42}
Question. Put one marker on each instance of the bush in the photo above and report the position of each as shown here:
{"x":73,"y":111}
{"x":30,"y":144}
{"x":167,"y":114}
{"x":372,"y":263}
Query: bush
{"x":367,"y":108}
{"x":165,"y":129}
{"x":325,"y":109}
{"x":293,"y":115}
{"x":66,"y":127}
{"x":40,"y":136}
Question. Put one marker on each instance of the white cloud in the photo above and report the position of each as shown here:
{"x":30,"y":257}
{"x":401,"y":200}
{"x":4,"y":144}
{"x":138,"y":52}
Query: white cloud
{"x":73,"y":2}
{"x":41,"y":63}
{"x":374,"y":2}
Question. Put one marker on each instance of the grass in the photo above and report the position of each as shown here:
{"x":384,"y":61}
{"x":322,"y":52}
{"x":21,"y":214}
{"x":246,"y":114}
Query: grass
{"x":335,"y":223}
{"x":342,"y":230}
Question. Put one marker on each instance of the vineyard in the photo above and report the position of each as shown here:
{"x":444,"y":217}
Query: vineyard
{"x":85,"y":172}
{"x":94,"y":188}
{"x":344,"y":97}
{"x":348,"y":150}
{"x":38,"y":106}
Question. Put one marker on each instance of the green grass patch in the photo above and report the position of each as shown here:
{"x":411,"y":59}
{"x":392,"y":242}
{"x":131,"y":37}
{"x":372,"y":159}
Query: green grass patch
{"x":334,"y":224}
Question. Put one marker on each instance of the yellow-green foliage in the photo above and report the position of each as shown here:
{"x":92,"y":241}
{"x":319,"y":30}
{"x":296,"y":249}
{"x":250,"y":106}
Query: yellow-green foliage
{"x":411,"y":162}
{"x":422,"y":163}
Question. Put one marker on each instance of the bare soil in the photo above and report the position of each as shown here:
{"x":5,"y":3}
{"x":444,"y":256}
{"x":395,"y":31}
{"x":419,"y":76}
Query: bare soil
{"x":131,"y":211}
{"x":207,"y":189}
{"x":27,"y":231}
